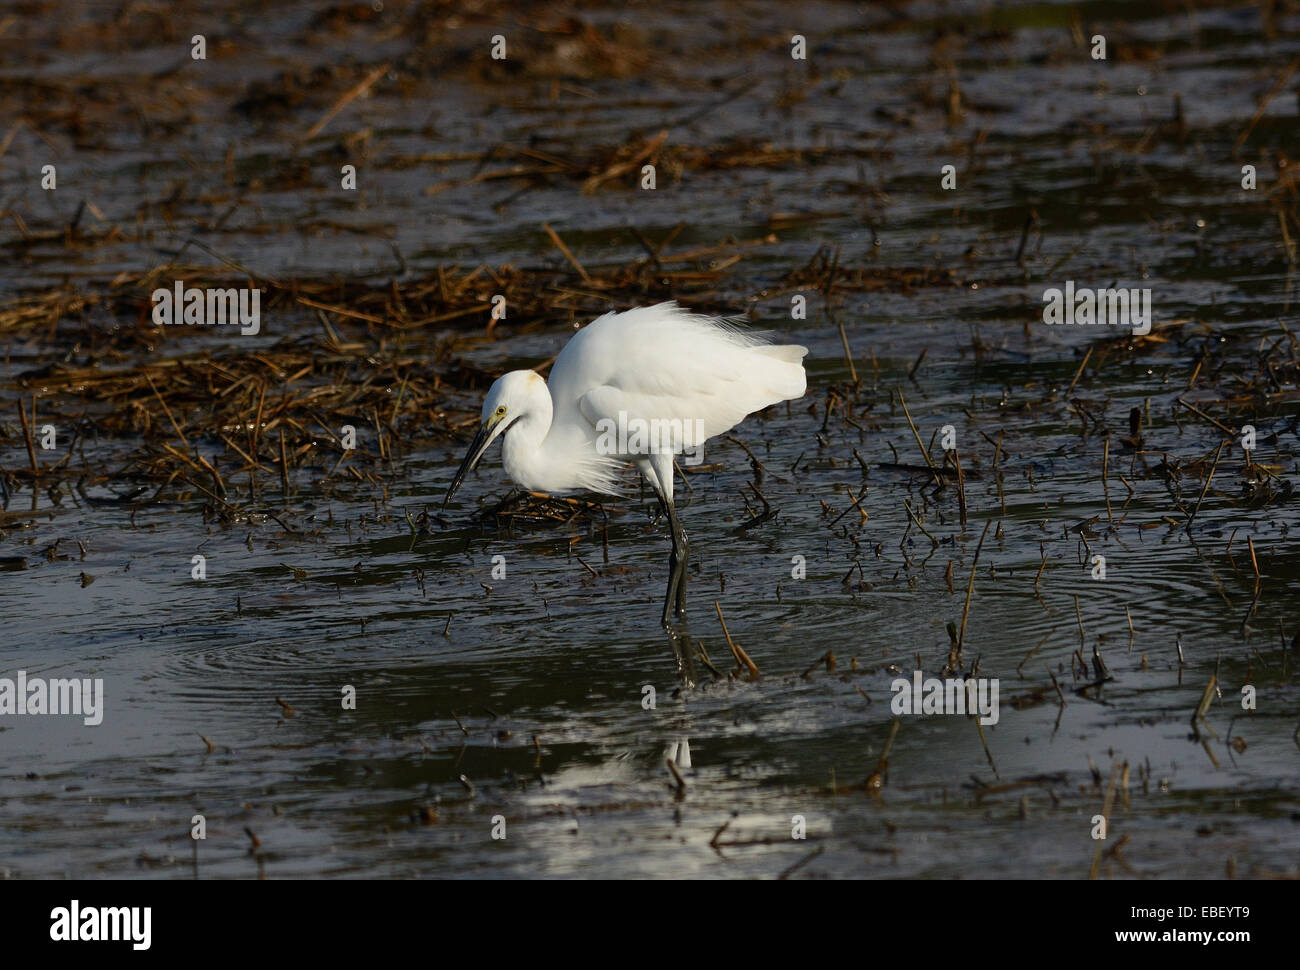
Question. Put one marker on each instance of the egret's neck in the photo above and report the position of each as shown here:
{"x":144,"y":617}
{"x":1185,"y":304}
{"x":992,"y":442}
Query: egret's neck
{"x":523,"y":454}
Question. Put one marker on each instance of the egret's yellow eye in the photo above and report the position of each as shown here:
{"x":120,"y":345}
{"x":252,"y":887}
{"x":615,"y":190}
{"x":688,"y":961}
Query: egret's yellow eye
{"x":501,"y":410}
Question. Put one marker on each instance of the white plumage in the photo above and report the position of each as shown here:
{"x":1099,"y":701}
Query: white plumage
{"x":658,"y":366}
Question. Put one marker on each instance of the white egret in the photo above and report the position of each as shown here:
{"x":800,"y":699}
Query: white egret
{"x":640,"y":386}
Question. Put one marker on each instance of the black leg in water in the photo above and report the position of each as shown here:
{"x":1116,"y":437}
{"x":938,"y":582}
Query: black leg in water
{"x":675,"y":597}
{"x":684,"y":654}
{"x":684,"y":558}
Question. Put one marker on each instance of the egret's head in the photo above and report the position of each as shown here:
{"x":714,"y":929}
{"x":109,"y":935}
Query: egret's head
{"x":506,"y":403}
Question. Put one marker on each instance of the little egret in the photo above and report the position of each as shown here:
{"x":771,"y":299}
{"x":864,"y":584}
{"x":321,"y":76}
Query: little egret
{"x":640,"y":386}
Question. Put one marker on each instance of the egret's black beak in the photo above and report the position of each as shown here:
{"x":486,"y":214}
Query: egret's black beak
{"x":479,"y":445}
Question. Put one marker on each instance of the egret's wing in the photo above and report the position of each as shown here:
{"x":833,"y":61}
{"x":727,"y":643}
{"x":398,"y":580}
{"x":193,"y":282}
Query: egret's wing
{"x":702,"y":400}
{"x":686,"y":421}
{"x":694,"y":375}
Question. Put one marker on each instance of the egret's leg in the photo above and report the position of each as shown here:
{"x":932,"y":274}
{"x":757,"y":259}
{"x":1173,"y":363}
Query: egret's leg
{"x":675,"y":597}
{"x":684,"y":654}
{"x":657,"y":469}
{"x":672,"y":572}
{"x":670,"y":597}
{"x":682,"y":548}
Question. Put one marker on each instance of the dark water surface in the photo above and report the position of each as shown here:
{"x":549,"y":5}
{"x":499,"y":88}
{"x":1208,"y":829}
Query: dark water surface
{"x":524,"y":700}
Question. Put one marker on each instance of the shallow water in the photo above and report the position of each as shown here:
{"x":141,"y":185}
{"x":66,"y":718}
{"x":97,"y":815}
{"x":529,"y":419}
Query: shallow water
{"x":524,"y":700}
